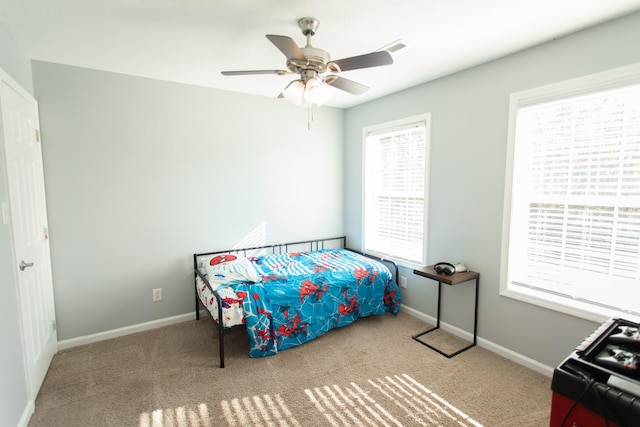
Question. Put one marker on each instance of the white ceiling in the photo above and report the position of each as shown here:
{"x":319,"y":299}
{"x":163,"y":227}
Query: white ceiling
{"x":191,"y":41}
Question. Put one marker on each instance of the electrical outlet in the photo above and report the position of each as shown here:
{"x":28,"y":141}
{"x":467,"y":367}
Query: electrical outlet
{"x":403,"y":282}
{"x":157,"y":294}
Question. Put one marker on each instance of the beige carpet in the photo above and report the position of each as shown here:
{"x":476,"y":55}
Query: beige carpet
{"x":370,"y":373}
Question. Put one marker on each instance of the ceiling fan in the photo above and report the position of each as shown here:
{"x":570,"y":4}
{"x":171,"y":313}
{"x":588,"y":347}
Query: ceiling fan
{"x":316,"y":69}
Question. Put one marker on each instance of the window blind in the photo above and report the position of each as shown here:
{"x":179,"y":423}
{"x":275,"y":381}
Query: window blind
{"x":578,"y":207}
{"x":394,"y":210}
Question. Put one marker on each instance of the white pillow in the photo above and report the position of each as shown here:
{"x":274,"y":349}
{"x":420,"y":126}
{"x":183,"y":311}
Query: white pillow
{"x":228,"y":269}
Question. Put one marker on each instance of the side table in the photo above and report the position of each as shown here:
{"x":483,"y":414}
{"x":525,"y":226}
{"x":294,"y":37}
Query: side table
{"x":454,"y":279}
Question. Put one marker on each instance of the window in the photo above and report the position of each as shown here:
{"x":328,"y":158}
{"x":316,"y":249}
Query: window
{"x":395,"y":189}
{"x":571,"y":239}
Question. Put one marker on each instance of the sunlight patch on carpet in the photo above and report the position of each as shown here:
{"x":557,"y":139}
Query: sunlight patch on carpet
{"x":410,"y":401}
{"x":177,"y":417}
{"x":390,"y":401}
{"x":258,"y":410}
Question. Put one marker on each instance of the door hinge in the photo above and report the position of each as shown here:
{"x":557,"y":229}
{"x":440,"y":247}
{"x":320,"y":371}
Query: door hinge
{"x":54,"y":326}
{"x":37,"y":135}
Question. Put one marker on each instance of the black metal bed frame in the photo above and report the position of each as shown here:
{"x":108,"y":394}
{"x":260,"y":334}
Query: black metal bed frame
{"x":308,"y":245}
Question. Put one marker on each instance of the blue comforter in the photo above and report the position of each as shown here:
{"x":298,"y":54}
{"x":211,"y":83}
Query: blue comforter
{"x":303,"y":295}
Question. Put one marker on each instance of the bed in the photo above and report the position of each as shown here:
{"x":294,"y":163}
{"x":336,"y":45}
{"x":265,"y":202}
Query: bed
{"x":287,"y":294}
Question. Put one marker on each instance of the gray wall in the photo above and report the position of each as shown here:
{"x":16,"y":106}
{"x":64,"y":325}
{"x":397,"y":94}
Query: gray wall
{"x":14,"y":396}
{"x":469,"y":138}
{"x":141,"y":173}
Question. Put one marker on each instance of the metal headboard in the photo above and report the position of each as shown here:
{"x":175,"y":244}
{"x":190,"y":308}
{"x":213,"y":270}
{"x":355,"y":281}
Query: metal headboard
{"x":304,"y":245}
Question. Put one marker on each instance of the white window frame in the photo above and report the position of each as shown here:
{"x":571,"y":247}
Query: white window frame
{"x":561,"y":301}
{"x":390,"y":127}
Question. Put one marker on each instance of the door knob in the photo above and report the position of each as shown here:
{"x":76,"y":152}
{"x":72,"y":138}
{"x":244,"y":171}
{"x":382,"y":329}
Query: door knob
{"x":24,"y":265}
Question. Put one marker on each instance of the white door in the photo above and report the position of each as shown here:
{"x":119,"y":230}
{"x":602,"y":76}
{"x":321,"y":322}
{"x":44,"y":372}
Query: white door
{"x":29,"y":230}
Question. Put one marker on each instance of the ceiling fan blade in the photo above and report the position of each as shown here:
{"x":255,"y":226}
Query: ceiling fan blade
{"x":287,"y":46}
{"x":250,"y":72}
{"x":347,"y":85}
{"x":373,"y":59}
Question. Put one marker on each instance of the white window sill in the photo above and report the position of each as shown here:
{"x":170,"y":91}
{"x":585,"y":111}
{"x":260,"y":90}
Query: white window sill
{"x":565,"y":305}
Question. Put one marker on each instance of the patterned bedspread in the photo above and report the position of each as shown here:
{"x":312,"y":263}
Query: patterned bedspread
{"x":301,"y":296}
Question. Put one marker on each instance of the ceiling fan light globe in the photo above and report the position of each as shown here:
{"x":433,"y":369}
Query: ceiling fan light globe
{"x":294,"y":92}
{"x":311,"y":84}
{"x":316,"y":93}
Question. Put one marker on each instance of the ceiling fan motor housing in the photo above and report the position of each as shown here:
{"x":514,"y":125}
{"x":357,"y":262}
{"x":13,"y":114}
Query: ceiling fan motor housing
{"x":316,"y":60}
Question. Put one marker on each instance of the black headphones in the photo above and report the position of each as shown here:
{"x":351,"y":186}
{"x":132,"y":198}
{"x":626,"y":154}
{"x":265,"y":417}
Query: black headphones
{"x":445,"y":268}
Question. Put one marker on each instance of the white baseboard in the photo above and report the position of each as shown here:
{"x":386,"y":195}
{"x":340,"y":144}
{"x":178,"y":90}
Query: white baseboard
{"x":26,"y":414}
{"x":88,"y":339}
{"x":481,"y":342}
